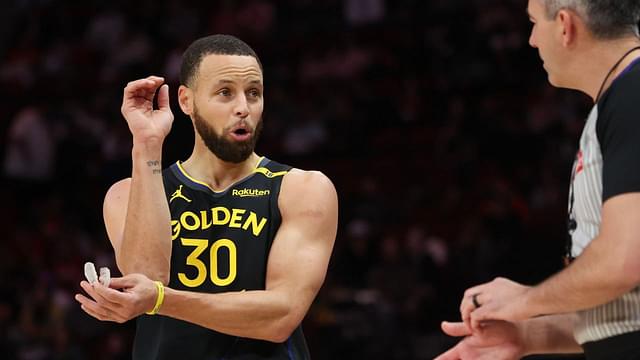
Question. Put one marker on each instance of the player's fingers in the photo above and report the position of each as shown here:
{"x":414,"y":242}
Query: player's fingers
{"x":455,"y":328}
{"x":97,"y":297}
{"x":134,"y":86}
{"x":152,"y":79}
{"x":163,"y":98}
{"x":103,"y":317}
{"x":92,"y":313}
{"x":120,"y":306}
{"x":92,"y":308}
{"x":124,"y":282}
{"x":142,"y":88}
{"x":114,"y":296}
{"x":157,"y":79}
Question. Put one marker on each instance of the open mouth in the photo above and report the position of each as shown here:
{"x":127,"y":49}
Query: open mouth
{"x":241,"y":133}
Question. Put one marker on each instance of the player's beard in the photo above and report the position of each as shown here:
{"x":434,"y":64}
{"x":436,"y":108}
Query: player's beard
{"x":226,"y":150}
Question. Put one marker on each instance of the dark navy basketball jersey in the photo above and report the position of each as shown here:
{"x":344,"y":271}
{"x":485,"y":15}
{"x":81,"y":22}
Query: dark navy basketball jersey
{"x":220,"y":243}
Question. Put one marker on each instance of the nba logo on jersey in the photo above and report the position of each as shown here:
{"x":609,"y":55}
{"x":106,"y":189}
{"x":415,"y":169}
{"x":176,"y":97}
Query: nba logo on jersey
{"x":579,"y":162}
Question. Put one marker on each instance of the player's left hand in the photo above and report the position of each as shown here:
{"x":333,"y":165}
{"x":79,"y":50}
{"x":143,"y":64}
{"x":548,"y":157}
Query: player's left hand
{"x":500,"y":299}
{"x":137,"y":295}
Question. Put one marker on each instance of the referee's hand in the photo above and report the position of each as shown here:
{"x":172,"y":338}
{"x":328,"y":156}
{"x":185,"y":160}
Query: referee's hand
{"x":500,"y":299}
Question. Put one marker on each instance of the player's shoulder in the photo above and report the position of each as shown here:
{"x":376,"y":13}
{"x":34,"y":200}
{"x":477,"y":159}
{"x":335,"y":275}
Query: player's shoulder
{"x":296,"y":183}
{"x":273,"y":166}
{"x":300,"y":182}
{"x":308,"y":177}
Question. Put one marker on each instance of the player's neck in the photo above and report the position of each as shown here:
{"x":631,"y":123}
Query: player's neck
{"x":218,"y":174}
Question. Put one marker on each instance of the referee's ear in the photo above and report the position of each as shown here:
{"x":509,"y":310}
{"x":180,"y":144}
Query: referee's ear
{"x":185,"y":99}
{"x":568,"y":25}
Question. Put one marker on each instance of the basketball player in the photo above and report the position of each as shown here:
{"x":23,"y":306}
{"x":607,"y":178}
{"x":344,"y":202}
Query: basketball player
{"x":593,"y":305}
{"x":225,"y":251}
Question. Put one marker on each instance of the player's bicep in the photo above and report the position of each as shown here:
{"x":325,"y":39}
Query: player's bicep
{"x":302,"y":247}
{"x":297,"y":265}
{"x":114,"y":211}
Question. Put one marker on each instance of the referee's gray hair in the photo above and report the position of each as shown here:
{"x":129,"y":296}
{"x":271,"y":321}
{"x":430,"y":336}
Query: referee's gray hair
{"x":606,"y":19}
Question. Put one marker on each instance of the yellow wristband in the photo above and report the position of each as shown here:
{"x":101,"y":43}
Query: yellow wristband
{"x":159,"y":299}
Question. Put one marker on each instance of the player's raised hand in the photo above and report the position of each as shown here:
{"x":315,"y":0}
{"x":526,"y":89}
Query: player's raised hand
{"x":145,"y":122}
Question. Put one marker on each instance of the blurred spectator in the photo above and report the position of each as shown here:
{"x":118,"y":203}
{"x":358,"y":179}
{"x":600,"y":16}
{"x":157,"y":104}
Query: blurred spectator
{"x":30,"y":152}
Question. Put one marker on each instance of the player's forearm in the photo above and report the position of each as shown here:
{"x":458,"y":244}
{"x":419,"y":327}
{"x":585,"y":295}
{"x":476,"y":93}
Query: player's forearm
{"x":146,"y":242}
{"x":550,"y":335}
{"x":264,"y":315}
{"x":596,"y":277}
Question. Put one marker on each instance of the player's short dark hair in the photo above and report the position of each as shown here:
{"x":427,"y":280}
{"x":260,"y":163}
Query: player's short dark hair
{"x":606,"y":19}
{"x":218,"y":44}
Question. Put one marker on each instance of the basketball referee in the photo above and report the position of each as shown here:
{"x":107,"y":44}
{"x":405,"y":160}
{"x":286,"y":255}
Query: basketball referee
{"x":593,"y":305}
{"x":222,"y":254}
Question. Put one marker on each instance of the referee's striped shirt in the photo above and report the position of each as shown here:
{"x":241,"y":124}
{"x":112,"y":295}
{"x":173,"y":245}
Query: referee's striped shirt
{"x":607,"y":164}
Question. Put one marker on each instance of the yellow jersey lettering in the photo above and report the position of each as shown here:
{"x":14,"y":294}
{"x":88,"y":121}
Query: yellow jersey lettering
{"x":175,"y":229}
{"x":236,"y":218}
{"x":252,"y":221}
{"x":220,"y":216}
{"x":269,"y":174}
{"x":233,"y":267}
{"x":193,"y":260}
{"x":205,"y":225}
{"x":196,"y":221}
{"x":216,"y":217}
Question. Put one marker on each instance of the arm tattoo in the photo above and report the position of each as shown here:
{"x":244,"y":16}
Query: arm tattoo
{"x":154,"y":163}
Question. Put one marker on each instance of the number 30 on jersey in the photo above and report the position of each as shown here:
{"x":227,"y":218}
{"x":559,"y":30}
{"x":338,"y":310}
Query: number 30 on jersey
{"x":193,"y":260}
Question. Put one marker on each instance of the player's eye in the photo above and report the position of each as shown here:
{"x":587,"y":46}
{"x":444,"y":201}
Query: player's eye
{"x":224,"y":92}
{"x":255,"y":93}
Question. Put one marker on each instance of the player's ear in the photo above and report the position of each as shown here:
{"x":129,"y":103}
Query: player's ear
{"x":185,"y":99}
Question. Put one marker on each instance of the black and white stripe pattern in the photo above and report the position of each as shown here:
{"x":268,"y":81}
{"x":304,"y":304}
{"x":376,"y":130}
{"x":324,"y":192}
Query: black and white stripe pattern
{"x":623,"y":314}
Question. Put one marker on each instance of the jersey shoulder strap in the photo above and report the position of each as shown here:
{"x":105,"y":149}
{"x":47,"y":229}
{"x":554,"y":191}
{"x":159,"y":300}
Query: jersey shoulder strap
{"x":271,"y":169}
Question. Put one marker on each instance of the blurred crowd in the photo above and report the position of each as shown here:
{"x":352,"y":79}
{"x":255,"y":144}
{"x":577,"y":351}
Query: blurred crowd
{"x":450,"y":152}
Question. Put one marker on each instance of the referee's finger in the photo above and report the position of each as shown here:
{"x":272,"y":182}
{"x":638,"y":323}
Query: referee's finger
{"x":478,"y":316}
